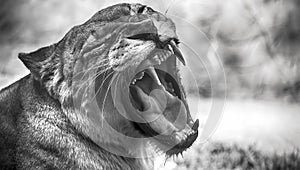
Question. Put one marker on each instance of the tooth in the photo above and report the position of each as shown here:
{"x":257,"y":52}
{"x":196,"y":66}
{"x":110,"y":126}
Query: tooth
{"x":161,"y":57}
{"x":166,"y":55}
{"x":177,"y":52}
{"x":134,"y":81}
{"x":153,"y":74}
{"x":139,"y":76}
{"x":184,"y":136}
{"x":196,"y":125}
{"x":178,"y":138}
{"x":170,"y":48}
{"x":157,"y":59}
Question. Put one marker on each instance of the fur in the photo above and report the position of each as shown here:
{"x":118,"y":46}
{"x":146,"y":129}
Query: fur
{"x":39,"y":128}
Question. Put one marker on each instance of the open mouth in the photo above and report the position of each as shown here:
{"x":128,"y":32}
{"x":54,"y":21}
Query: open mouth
{"x":148,"y":81}
{"x":158,"y":97}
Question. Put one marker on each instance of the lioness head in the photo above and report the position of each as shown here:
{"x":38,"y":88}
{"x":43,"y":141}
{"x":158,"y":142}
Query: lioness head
{"x":116,"y":77}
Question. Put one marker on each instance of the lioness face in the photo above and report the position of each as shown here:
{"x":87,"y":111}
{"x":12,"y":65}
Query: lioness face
{"x":138,"y":88}
{"x":126,"y":57}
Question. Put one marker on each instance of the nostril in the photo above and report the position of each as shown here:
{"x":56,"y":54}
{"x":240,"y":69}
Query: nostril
{"x":141,"y":10}
{"x":150,"y":9}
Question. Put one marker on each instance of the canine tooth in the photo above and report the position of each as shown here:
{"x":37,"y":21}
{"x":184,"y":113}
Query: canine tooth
{"x":170,"y":48}
{"x":196,"y":125}
{"x":177,"y":52}
{"x":153,"y":74}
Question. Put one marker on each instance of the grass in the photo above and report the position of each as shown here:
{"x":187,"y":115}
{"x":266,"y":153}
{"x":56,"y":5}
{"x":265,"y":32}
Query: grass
{"x":224,"y":156}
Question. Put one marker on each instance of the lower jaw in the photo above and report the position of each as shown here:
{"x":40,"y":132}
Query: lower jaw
{"x":172,"y":147}
{"x":165,"y":145}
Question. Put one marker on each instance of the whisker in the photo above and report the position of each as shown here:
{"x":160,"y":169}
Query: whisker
{"x":80,"y":86}
{"x":86,"y":89}
{"x":104,"y":100}
{"x":90,"y":79}
{"x":115,"y":93}
{"x":169,"y":6}
{"x":86,"y":72}
{"x":99,"y":89}
{"x":94,"y":77}
{"x":94,"y":67}
{"x":89,"y":69}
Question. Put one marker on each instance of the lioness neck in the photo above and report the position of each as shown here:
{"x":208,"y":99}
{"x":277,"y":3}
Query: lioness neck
{"x":36,"y":134}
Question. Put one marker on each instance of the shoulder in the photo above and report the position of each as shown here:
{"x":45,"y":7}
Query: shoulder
{"x":10,"y":95}
{"x":10,"y":110}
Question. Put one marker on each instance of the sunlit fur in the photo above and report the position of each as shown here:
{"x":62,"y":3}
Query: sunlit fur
{"x":40,"y":125}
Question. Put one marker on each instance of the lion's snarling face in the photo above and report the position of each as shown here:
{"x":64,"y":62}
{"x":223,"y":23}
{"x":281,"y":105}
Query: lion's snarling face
{"x":127,"y":58}
{"x":147,"y":84}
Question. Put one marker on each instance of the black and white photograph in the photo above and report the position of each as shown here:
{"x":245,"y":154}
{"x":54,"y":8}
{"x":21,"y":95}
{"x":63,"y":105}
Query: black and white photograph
{"x":150,"y":85}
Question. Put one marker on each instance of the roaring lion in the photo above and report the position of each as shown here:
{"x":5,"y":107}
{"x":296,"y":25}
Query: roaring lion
{"x":125,"y":61}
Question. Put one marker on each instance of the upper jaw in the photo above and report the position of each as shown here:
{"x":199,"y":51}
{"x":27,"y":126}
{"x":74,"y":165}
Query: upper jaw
{"x":164,"y":47}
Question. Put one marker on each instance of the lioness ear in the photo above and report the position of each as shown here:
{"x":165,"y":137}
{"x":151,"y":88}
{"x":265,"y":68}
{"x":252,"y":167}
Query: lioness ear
{"x":36,"y":60}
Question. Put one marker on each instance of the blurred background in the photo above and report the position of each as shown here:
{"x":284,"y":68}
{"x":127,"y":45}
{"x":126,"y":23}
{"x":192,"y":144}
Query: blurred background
{"x":254,"y":43}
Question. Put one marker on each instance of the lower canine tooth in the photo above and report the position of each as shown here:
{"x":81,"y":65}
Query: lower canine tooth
{"x":153,"y":74}
{"x":196,"y":125}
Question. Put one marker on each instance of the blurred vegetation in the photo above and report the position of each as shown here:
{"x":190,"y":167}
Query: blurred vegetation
{"x":258,"y":46}
{"x":219,"y":156}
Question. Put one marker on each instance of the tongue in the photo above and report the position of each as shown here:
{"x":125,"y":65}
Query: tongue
{"x":164,"y":112}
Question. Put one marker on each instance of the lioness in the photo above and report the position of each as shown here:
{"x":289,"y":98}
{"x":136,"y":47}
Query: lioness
{"x":124,"y":60}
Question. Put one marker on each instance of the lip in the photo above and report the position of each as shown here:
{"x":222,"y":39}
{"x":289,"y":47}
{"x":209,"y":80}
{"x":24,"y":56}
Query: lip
{"x":168,"y":44}
{"x":169,"y":144}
